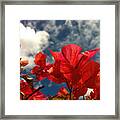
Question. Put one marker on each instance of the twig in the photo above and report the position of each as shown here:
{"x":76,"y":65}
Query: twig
{"x":33,"y":93}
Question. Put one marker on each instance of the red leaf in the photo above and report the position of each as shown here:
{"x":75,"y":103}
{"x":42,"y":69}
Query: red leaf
{"x":28,"y":93}
{"x":25,"y":88}
{"x":40,"y":59}
{"x":55,"y":75}
{"x":57,"y":55}
{"x":70,"y":53}
{"x":35,"y":70}
{"x":89,"y":73}
{"x":38,"y":96}
{"x":76,"y":67}
{"x":86,"y":56}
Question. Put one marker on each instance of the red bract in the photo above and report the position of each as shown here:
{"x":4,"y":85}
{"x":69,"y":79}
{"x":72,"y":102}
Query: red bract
{"x":30,"y":94}
{"x":72,"y":61}
{"x":38,"y":96}
{"x":25,"y":88}
{"x":40,"y":70}
{"x":54,"y":73}
{"x":76,"y":68}
{"x":73,"y":67}
{"x":88,"y":79}
{"x":40,"y":60}
{"x":71,"y":54}
{"x":89,"y":73}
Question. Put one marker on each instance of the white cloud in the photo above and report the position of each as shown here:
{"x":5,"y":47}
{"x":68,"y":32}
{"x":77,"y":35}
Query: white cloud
{"x":32,"y":42}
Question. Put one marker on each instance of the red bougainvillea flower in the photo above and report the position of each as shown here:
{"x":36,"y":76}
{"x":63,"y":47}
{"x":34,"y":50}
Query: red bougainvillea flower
{"x":76,"y":68}
{"x":40,"y":70}
{"x":90,"y":72}
{"x":54,"y":73}
{"x":26,"y":93}
{"x":72,"y":61}
{"x":40,"y":59}
{"x":43,"y":69}
{"x":73,"y":67}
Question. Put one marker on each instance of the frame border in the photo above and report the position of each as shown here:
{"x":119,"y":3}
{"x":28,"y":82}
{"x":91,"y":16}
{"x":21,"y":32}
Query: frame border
{"x":62,"y":2}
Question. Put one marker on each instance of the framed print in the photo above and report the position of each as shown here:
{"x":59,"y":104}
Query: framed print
{"x":60,"y":59}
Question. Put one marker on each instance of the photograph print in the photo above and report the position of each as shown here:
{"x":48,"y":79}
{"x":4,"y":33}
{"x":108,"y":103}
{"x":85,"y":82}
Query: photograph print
{"x":59,"y":59}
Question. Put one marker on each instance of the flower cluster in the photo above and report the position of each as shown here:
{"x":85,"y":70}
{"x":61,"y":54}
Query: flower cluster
{"x":71,"y":66}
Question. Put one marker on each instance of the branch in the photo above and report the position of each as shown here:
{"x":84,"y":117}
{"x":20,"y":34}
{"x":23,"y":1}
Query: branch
{"x":33,"y":92}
